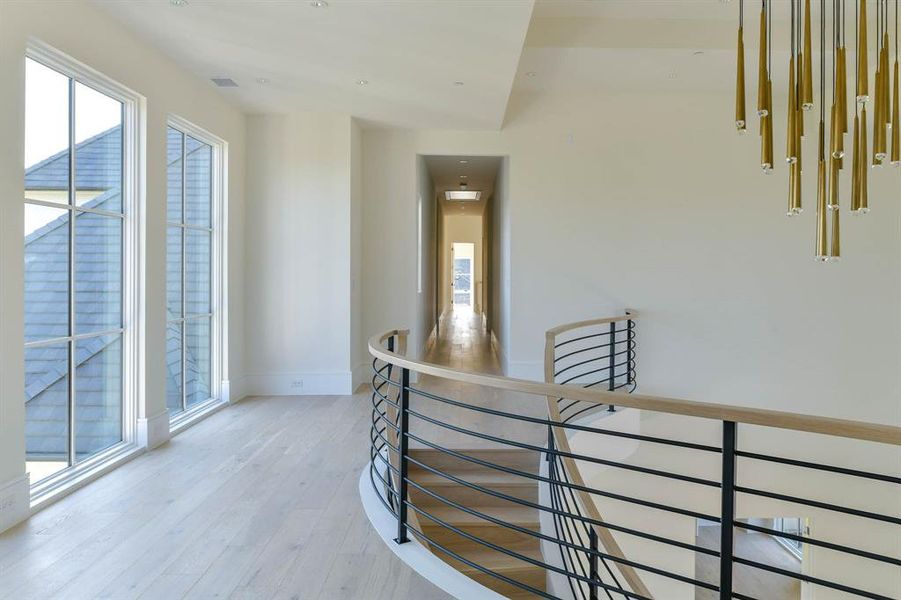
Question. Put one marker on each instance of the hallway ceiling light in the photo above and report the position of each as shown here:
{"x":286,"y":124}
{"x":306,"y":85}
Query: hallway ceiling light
{"x":462,"y":195}
{"x":458,"y":83}
{"x":319,"y":4}
{"x":463,"y":162}
{"x":883,"y":98}
{"x":362,"y":82}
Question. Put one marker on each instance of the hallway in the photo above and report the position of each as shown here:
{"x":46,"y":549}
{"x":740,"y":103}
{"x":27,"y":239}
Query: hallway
{"x":464,"y":342}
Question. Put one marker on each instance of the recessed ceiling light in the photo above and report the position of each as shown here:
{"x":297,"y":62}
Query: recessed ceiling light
{"x":458,"y":83}
{"x":462,"y":195}
{"x":319,"y":4}
{"x":531,"y":74}
{"x":178,"y":2}
{"x":464,"y":176}
{"x":698,"y":52}
{"x":262,"y":80}
{"x":362,"y":82}
{"x":463,"y":162}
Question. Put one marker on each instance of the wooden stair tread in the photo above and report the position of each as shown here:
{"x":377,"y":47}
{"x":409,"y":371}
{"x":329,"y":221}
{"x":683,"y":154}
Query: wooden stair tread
{"x":486,"y":478}
{"x":522,"y":516}
{"x":496,"y":561}
{"x":521,"y":460}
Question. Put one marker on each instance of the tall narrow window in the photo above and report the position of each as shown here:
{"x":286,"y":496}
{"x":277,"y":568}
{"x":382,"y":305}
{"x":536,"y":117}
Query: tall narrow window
{"x":189,"y":271}
{"x":74,"y":230}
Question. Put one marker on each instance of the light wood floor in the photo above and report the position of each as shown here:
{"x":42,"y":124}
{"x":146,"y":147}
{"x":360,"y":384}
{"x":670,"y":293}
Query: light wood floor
{"x":747,"y":580}
{"x":258,"y":501}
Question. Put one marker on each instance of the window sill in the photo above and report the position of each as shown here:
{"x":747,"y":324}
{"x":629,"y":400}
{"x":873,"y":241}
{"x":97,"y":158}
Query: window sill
{"x":197,"y":413}
{"x":65,"y":482}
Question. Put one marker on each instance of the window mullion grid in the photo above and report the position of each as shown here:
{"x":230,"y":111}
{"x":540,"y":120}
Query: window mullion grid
{"x":71,"y":208}
{"x":184,"y":272}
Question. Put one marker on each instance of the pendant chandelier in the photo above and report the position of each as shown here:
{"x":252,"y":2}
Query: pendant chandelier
{"x":881,"y":102}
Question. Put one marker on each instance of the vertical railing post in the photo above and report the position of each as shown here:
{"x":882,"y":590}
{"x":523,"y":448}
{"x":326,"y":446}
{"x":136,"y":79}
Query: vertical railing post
{"x":630,"y":352}
{"x":403,"y":443}
{"x":611,"y":384}
{"x":593,"y":563}
{"x":727,"y":510}
{"x":550,"y":444}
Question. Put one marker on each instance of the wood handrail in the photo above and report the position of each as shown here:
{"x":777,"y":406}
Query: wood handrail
{"x":872,"y":432}
{"x":630,"y":314}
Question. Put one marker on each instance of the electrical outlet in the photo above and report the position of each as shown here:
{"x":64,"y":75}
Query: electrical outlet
{"x":297,"y":384}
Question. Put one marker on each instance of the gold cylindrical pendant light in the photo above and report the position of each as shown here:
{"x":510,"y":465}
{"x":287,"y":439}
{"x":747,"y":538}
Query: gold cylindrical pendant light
{"x":761,"y":64}
{"x":791,"y":130}
{"x":842,"y":83}
{"x":768,"y":163}
{"x":833,"y":184}
{"x":740,"y":121}
{"x":836,"y":139}
{"x":822,"y":241}
{"x":835,"y":248}
{"x":807,"y":63}
{"x":863,"y":204}
{"x":855,"y":166}
{"x":862,"y":66}
{"x":822,"y":250}
{"x":896,"y":124}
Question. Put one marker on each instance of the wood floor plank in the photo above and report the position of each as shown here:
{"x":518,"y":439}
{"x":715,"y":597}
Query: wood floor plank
{"x":258,"y":501}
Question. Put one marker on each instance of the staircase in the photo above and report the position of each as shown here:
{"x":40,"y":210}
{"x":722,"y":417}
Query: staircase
{"x":510,"y":512}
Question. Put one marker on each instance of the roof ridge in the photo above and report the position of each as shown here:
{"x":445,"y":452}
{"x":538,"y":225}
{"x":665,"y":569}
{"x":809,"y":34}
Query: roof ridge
{"x":43,"y":163}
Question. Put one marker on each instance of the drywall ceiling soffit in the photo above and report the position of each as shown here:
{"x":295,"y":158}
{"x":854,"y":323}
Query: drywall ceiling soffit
{"x":481,"y":173}
{"x":410,"y":54}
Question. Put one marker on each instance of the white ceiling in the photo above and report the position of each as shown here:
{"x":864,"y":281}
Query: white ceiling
{"x":411,"y":53}
{"x":480,"y":172}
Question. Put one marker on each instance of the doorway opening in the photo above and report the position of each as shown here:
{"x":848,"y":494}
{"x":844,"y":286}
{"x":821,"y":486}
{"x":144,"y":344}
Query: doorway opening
{"x":463,"y":258}
{"x":462,"y":240}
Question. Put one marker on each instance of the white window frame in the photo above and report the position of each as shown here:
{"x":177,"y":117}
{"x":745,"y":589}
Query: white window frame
{"x":133,"y":177}
{"x":219,"y":276}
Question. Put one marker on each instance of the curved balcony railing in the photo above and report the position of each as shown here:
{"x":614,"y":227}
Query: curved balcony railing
{"x":620,"y":493}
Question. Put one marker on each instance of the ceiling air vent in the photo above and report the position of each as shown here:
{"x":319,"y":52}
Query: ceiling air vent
{"x":224,"y":81}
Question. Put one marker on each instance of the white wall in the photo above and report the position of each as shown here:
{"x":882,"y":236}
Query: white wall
{"x":501,"y":266}
{"x":90,"y":36}
{"x":679,"y":224}
{"x":298,"y":259}
{"x":358,"y":355}
{"x":426,"y":248}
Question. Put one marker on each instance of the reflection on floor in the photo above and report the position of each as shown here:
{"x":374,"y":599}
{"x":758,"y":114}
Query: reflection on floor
{"x":464,"y":342}
{"x":747,"y":580}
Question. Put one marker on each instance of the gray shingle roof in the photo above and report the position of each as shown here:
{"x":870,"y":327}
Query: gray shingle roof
{"x":98,"y":294}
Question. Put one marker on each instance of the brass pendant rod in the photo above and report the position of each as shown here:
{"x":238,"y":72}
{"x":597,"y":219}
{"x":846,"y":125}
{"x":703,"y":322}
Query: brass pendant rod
{"x":807,"y":62}
{"x":862,"y":72}
{"x":896,"y":123}
{"x":762,"y":109}
{"x":822,"y":242}
{"x":740,"y":121}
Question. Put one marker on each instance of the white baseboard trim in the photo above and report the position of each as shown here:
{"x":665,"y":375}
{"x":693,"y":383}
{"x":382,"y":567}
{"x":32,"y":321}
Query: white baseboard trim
{"x":415,"y":555}
{"x":153,"y":431}
{"x":323,"y":383}
{"x":501,"y":355}
{"x":525,"y":369}
{"x":15,"y":501}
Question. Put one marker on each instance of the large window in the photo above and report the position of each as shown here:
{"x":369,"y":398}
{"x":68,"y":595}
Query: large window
{"x":76,"y":210}
{"x":190,"y":331}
